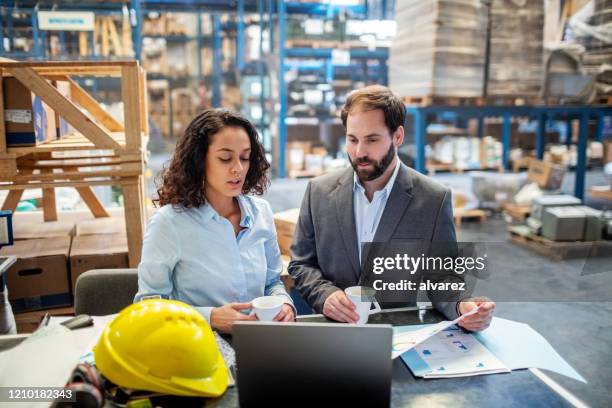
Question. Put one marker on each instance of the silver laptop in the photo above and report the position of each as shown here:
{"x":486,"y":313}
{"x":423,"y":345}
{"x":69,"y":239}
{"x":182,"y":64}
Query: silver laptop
{"x":312,"y":364}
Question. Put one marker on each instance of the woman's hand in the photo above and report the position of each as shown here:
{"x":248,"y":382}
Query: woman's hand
{"x":223,"y":318}
{"x":285,"y":315}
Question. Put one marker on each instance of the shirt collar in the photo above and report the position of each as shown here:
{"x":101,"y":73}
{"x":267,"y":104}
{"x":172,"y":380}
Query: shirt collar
{"x":246,"y":219}
{"x":387,"y":188}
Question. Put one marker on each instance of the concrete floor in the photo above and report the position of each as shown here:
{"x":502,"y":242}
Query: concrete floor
{"x":580,"y":330}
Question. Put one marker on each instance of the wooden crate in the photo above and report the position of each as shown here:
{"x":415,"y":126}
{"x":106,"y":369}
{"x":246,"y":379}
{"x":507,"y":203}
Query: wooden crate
{"x":99,"y":150}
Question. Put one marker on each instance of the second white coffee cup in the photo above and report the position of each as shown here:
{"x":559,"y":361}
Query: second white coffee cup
{"x":267,"y":307}
{"x":363,"y":299}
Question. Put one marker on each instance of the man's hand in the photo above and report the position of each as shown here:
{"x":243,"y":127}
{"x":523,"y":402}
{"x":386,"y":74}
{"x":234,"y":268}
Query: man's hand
{"x":285,"y":315}
{"x":479,"y":320}
{"x":223,"y":318}
{"x":338,"y":307}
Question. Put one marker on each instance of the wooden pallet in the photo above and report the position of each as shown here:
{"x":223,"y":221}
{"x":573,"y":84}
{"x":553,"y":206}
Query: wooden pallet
{"x":554,"y":250}
{"x":459,"y":215}
{"x":100,"y":150}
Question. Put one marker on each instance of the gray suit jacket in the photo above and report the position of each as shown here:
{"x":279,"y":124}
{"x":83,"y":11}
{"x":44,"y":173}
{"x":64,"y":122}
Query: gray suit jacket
{"x":324,"y":253}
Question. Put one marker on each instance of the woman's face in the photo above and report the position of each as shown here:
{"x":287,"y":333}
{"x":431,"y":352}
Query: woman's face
{"x":227,"y":161}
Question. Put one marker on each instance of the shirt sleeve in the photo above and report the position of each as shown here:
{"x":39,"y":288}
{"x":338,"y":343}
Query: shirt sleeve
{"x":160,"y":254}
{"x":274,"y":263}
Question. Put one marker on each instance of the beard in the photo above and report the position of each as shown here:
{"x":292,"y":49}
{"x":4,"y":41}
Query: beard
{"x":379,"y":166}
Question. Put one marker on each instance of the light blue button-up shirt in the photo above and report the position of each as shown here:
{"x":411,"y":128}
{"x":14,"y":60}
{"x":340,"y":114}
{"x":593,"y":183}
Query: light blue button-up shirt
{"x":193,"y":255}
{"x":368,"y":213}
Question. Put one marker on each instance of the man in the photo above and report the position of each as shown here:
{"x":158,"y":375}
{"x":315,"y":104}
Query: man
{"x":379,"y":199}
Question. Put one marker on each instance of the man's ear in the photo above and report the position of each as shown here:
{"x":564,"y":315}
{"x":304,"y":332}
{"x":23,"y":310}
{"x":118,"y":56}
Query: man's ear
{"x":398,"y":136}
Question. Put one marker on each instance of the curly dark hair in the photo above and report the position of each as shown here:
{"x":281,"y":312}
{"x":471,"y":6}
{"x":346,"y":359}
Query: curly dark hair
{"x":183,"y":178}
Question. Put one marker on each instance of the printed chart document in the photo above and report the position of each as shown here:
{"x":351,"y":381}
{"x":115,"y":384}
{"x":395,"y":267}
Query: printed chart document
{"x":402,"y":342}
{"x":452,"y":352}
{"x":505,"y":345}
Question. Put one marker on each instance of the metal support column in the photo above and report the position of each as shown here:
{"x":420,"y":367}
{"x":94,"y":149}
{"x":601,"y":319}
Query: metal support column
{"x":217,"y":73}
{"x":240,"y":35}
{"x":568,"y":131}
{"x":541,"y":136}
{"x":420,"y":133}
{"x":582,"y":159}
{"x":136,"y":24}
{"x":282,"y":127}
{"x":506,"y":130}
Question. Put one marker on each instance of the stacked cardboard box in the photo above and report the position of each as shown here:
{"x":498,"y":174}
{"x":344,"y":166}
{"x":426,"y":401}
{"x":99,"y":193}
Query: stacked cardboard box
{"x":439,"y":48}
{"x":515,"y":59}
{"x":184,"y":108}
{"x":285,"y":223}
{"x":28,"y":120}
{"x":39,"y":278}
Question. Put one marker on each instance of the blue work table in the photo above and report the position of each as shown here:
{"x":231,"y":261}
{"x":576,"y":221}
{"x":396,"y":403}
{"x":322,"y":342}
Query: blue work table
{"x":518,"y":389}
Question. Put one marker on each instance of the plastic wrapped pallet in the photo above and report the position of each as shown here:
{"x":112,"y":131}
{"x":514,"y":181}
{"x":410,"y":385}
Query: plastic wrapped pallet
{"x":439,"y":48}
{"x":516,"y":59}
{"x":591,"y":28}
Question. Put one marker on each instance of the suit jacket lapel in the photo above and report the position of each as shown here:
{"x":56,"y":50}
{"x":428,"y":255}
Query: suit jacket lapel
{"x":345,"y":211}
{"x":396,"y":205}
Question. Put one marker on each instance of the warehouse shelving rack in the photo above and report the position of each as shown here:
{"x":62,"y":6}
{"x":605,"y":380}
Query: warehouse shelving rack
{"x":423,"y":116}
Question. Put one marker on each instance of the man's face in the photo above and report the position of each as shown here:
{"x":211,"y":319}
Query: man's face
{"x":369,"y":144}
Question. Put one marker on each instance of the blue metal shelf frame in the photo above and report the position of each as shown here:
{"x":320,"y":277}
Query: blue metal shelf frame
{"x":423,"y":115}
{"x":328,"y":11}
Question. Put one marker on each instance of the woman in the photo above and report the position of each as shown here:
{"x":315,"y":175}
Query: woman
{"x":210,"y":244}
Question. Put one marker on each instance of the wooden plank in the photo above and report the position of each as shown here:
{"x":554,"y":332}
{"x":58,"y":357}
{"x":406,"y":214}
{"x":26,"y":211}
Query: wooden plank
{"x":73,"y":183}
{"x":116,"y":66}
{"x":91,"y":200}
{"x":58,"y":164}
{"x":65,"y":108}
{"x":144,"y":101}
{"x":114,"y":36}
{"x":2,"y":125}
{"x":134,"y":222}
{"x":130,"y":94}
{"x":49,"y":204}
{"x":126,"y":32}
{"x":86,"y":101}
{"x":76,"y":175}
{"x":12,"y":200}
{"x":83,"y":44}
{"x":105,"y":45}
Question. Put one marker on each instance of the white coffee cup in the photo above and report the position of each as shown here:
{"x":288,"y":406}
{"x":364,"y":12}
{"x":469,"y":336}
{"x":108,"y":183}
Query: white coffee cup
{"x":267,"y":307}
{"x":363,"y":298}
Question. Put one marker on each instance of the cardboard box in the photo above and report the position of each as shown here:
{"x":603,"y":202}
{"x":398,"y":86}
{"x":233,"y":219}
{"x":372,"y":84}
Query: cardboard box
{"x":285,"y":223}
{"x":39,"y":279}
{"x":296,"y":153}
{"x":97,"y":252}
{"x":28,"y":120}
{"x":540,"y":204}
{"x":593,"y":224}
{"x":548,"y":175}
{"x":563,"y":224}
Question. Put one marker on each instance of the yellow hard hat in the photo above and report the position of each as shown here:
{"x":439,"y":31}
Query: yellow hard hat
{"x":162,"y":346}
